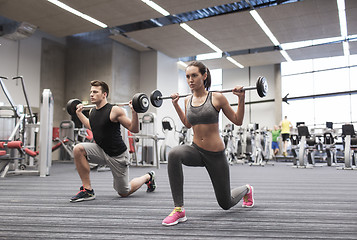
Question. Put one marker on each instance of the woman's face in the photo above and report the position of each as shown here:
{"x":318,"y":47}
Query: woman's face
{"x":194,"y":78}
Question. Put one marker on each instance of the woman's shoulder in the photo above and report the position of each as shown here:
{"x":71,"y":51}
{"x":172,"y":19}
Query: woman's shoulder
{"x":217,"y":95}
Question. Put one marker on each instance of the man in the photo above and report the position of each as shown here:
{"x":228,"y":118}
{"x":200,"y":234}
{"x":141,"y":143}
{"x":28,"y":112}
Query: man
{"x":109,"y":148}
{"x":285,"y":126}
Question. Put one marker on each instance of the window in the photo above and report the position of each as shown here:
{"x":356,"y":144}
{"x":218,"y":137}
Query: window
{"x":320,"y":76}
{"x":336,"y":80}
{"x":216,"y":84}
{"x":298,"y":85}
{"x":216,"y":78}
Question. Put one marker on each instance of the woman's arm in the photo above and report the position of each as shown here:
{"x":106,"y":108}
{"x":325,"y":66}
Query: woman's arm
{"x":235,"y":117}
{"x":180,"y":113}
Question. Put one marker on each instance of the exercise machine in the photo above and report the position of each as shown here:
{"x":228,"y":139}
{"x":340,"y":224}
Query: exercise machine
{"x":147,"y":147}
{"x":306,"y":148}
{"x":26,"y":159}
{"x":329,"y":147}
{"x":350,"y":147}
{"x":229,"y":142}
{"x":165,"y":148}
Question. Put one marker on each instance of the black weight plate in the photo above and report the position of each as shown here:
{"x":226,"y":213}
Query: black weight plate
{"x":262,"y":86}
{"x":155,"y":99}
{"x":72,"y":106}
{"x":140,"y":103}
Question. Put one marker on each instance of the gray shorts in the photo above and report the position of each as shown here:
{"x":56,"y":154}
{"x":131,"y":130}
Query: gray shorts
{"x":119,"y":165}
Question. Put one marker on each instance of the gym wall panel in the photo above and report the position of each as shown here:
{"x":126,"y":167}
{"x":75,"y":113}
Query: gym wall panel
{"x":231,"y":78}
{"x":88,"y":57}
{"x":30,"y":68}
{"x":168,"y":83}
{"x":262,"y":113}
{"x":53,"y":77}
{"x":21,"y":58}
{"x":126,"y":73}
{"x":8,"y":67}
{"x":148,"y":74}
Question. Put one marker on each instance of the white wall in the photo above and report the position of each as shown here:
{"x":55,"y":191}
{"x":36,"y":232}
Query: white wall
{"x":22,"y":58}
{"x":167,"y":82}
{"x":261,"y":113}
{"x":159,"y":71}
{"x":148,"y":74}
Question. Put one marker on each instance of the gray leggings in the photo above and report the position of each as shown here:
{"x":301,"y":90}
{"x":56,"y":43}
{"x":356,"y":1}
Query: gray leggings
{"x":217,"y":168}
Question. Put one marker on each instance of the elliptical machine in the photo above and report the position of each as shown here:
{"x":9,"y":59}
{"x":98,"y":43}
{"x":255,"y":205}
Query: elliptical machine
{"x":229,"y":143}
{"x":165,"y":148}
{"x":350,"y":146}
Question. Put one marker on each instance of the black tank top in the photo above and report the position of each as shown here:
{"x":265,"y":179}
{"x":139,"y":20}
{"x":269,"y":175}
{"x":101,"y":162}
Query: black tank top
{"x":105,"y":132}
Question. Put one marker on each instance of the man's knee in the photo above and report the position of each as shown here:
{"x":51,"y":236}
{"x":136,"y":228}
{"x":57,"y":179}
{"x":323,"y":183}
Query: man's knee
{"x":78,"y":150}
{"x":125,"y":193}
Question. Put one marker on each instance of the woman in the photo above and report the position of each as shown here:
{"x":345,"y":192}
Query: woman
{"x":207,"y":150}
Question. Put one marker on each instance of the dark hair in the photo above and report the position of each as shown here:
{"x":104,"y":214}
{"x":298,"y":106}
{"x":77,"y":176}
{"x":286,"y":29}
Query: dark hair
{"x":203,"y":69}
{"x":103,"y":85}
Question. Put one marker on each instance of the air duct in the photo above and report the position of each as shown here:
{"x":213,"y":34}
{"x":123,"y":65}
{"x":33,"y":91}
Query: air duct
{"x":17,"y":31}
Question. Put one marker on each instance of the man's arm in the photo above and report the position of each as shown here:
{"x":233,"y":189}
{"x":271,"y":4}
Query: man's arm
{"x":118,"y":115}
{"x":82,"y":117}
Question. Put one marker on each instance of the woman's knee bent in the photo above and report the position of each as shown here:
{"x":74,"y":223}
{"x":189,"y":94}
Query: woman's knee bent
{"x":175,"y":156}
{"x":224,"y":205}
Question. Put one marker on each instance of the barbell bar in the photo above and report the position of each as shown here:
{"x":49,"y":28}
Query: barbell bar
{"x":261,"y":86}
{"x":140,"y":104}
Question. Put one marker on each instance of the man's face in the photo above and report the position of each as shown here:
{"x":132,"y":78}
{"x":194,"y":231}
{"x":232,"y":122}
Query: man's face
{"x":96,"y":94}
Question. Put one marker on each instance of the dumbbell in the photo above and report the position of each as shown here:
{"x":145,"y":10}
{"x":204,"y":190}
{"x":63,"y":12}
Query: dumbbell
{"x":140,"y":104}
{"x":261,"y":86}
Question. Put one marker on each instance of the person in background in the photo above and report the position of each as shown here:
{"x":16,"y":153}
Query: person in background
{"x":275,"y":134}
{"x":285,"y":126}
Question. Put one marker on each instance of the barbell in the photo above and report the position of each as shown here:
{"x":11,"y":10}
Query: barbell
{"x":261,"y":86}
{"x":140,"y":104}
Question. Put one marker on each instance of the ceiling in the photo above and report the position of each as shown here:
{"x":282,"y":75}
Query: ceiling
{"x":235,"y":33}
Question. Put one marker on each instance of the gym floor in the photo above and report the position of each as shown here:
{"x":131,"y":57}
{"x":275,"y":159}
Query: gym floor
{"x":290,"y":203}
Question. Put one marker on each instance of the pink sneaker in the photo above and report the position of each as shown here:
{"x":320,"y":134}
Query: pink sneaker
{"x":248,"y":199}
{"x":176,"y":216}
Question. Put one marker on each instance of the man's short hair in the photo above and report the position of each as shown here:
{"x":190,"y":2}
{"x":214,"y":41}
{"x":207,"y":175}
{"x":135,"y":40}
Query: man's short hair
{"x":103,"y":85}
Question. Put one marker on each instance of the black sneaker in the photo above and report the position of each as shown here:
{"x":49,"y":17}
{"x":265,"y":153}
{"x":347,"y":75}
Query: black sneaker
{"x":83,"y":195}
{"x":151,"y":183}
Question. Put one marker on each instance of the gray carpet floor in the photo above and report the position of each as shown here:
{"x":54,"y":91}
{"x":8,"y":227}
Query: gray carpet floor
{"x":290,"y":203}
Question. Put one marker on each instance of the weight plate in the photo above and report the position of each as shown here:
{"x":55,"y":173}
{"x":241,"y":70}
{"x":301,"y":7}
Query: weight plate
{"x":140,"y":103}
{"x":155,"y":99}
{"x":262,"y":86}
{"x":72,"y":106}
